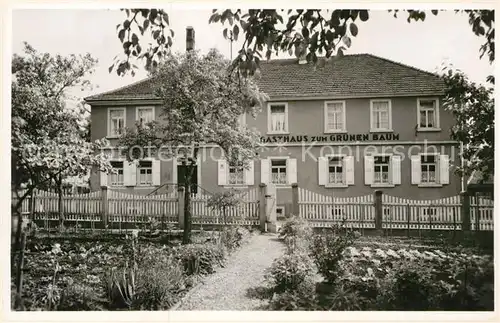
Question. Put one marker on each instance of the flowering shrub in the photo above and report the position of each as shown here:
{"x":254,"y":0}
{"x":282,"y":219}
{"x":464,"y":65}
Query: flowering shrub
{"x":327,"y":251}
{"x":290,"y":271}
{"x":295,"y":226}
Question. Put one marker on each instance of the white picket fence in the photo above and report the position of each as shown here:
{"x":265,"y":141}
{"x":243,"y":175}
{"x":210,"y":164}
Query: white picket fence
{"x":133,"y":208}
{"x":438,"y":214}
{"x":324,"y":211}
{"x":481,"y":213}
{"x":397,"y":213}
{"x":246,"y":213}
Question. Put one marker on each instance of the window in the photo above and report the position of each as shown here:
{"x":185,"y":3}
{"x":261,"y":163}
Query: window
{"x":335,"y":116}
{"x":335,"y":170}
{"x":116,"y":122}
{"x":236,"y":175}
{"x":145,"y":115}
{"x":428,"y":114}
{"x":381,"y":115}
{"x":145,"y":173}
{"x":381,"y":169}
{"x":428,"y":165}
{"x":278,"y":171}
{"x":278,"y":118}
{"x":116,"y":176}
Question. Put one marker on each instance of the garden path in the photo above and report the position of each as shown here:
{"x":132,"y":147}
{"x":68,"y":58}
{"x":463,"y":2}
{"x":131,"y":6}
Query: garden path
{"x":231,"y":287}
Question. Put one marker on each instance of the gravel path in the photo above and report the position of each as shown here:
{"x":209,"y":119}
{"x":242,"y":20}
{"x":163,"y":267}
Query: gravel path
{"x":233,"y":287}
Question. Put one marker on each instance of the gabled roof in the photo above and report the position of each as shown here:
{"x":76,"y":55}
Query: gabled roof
{"x":358,"y":75}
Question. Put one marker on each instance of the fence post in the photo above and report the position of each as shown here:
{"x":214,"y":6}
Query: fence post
{"x":408,"y":217}
{"x":465,"y":206}
{"x":377,"y":195}
{"x":295,"y":199}
{"x":180,"y":206}
{"x":262,"y":206}
{"x":105,"y":206}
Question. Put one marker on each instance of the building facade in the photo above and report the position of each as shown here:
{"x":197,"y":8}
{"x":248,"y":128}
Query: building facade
{"x":344,"y":127}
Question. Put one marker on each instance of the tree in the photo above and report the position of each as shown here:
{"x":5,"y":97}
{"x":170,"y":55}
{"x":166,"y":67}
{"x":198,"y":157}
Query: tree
{"x":47,"y":137}
{"x":202,"y":102}
{"x":473,"y":107}
{"x":306,"y":33}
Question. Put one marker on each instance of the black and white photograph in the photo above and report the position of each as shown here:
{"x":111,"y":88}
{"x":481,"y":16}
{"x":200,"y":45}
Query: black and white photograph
{"x":215,"y":157}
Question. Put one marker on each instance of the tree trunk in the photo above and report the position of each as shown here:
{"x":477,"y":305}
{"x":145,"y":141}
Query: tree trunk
{"x":19,"y":274}
{"x":186,"y":236}
{"x":60,"y":201}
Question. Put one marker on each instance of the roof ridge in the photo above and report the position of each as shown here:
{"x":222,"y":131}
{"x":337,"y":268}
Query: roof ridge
{"x":118,"y":89}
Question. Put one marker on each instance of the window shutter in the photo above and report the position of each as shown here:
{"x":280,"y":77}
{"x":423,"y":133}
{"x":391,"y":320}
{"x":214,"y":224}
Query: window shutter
{"x":396,"y":169}
{"x":415,"y":170}
{"x":291,"y":170}
{"x":129,"y":173}
{"x":369,"y":160}
{"x":249,"y":173}
{"x":349,"y":170}
{"x":265,"y":168}
{"x":155,"y":163}
{"x":222,"y":170}
{"x":322,"y":170}
{"x":444,"y":169}
{"x":104,"y":179}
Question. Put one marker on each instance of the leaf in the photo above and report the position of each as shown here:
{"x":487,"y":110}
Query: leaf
{"x":224,"y":33}
{"x":363,"y":15}
{"x":110,"y":69}
{"x":305,"y":32}
{"x":346,"y":40}
{"x":165,"y":18}
{"x":135,"y":39}
{"x":354,"y":29}
{"x":145,"y":24}
{"x":121,"y":35}
{"x":236,"y":31}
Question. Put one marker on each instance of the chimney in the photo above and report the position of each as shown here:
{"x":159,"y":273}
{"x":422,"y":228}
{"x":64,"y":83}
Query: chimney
{"x":189,"y":38}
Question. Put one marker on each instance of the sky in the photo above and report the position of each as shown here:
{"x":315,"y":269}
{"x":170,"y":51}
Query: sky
{"x":446,"y":38}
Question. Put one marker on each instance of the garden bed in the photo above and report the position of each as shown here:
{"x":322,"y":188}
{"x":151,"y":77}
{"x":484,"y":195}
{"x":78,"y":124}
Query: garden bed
{"x":73,"y":273}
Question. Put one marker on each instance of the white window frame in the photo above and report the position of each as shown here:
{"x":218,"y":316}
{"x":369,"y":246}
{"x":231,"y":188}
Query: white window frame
{"x":390,"y":170}
{"x":343,"y":184}
{"x":437,"y":182}
{"x":282,"y":208}
{"x":152,"y":108}
{"x":110,"y":135}
{"x":344,"y":126}
{"x":436,"y":169}
{"x":437,"y":126}
{"x":242,"y":177}
{"x":269,"y":119}
{"x":271,"y":170}
{"x":110,"y":182}
{"x":389,"y":117}
{"x":139,"y":168}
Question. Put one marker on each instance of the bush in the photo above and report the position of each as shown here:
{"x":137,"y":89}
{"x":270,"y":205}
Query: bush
{"x":80,"y":297}
{"x":295,"y":227}
{"x":200,"y":259}
{"x":288,"y":272}
{"x":159,"y":282}
{"x":234,"y":237}
{"x":327,"y":251}
{"x":302,"y":298}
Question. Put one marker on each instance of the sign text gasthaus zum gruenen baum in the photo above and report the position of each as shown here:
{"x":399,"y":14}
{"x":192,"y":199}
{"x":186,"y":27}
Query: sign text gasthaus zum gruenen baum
{"x":330,"y":138}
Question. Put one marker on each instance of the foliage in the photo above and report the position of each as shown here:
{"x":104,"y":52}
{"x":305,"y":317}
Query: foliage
{"x":121,"y":288}
{"x":201,"y":104}
{"x":290,"y":271}
{"x":221,"y":201}
{"x":160,"y":279}
{"x":234,"y":237}
{"x":327,"y":251}
{"x":301,"y":298}
{"x":200,"y":259}
{"x":473,"y":108}
{"x":48,"y":138}
{"x":307,"y":33}
{"x":295,"y":226}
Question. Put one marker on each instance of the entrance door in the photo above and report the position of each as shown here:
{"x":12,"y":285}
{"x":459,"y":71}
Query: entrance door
{"x":181,"y":177}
